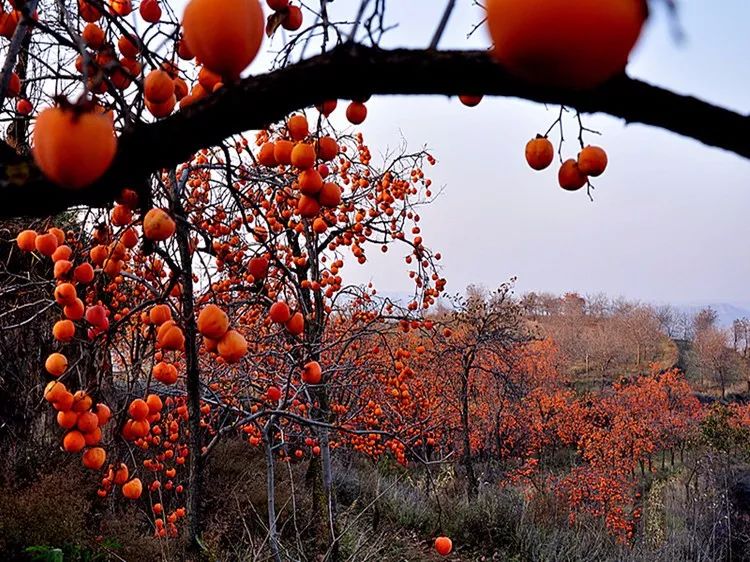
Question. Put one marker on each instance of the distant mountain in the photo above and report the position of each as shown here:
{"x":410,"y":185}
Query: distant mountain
{"x":726,"y":313}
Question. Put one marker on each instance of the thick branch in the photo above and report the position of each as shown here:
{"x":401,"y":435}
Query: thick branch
{"x":351,"y":71}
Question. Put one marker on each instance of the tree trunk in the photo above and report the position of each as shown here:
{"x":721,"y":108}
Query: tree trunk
{"x":319,"y":505}
{"x":192,"y":383}
{"x":319,"y":479}
{"x":320,"y":473}
{"x":273,"y":539}
{"x":471,"y":480}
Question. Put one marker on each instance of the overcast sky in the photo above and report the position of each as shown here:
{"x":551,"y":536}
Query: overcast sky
{"x":669,"y":220}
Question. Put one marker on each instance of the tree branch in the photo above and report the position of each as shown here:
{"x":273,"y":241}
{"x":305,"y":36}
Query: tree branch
{"x":14,"y":48}
{"x":352,"y":71}
{"x":443,"y":24}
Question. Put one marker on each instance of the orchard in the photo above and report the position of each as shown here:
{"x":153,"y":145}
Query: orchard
{"x":189,"y":189}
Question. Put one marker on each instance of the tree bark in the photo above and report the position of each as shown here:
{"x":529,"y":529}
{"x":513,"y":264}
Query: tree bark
{"x":192,"y":382}
{"x":273,"y":538}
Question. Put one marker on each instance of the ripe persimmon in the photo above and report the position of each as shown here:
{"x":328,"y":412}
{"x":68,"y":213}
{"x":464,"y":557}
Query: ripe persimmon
{"x":213,"y":322}
{"x":63,"y":402}
{"x":165,"y":373}
{"x":81,"y":401}
{"x":132,"y":489}
{"x":308,"y":207}
{"x":592,"y":161}
{"x":232,"y":346}
{"x":84,"y":273}
{"x":292,"y":20}
{"x":158,"y":86}
{"x":67,"y":419}
{"x":103,"y":413}
{"x":73,"y":147}
{"x":567,"y":43}
{"x":296,"y":324}
{"x":297,"y":127}
{"x":266,"y":155}
{"x":282,"y":151}
{"x":87,"y":422}
{"x":162,"y":109}
{"x":310,"y":181}
{"x":224,"y":36}
{"x":63,"y":330}
{"x":170,"y":337}
{"x":73,"y":442}
{"x":539,"y":153}
{"x":443,"y":546}
{"x":93,"y":36}
{"x":330,"y":195}
{"x":54,"y":391}
{"x":159,"y":313}
{"x":65,"y":294}
{"x":138,"y":409}
{"x":155,"y":403}
{"x":62,"y":269}
{"x":273,"y":393}
{"x":158,"y":225}
{"x":121,"y":474}
{"x":74,"y":311}
{"x":26,"y":240}
{"x":279,"y":312}
{"x":570,"y":177}
{"x":312,"y":373}
{"x":258,"y":267}
{"x":46,"y":244}
{"x":94,"y":458}
{"x":470,"y":101}
{"x":24,"y":107}
{"x":327,"y":148}
{"x":62,"y":252}
{"x":303,"y":155}
{"x":56,"y":364}
{"x":150,"y":11}
{"x":356,"y":112}
{"x":327,"y":107}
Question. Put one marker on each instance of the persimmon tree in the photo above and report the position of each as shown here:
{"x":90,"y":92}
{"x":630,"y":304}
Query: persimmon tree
{"x":251,"y":232}
{"x":482,"y":330}
{"x":617,"y":433}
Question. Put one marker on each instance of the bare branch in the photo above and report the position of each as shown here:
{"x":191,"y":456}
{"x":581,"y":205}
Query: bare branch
{"x":442,"y":25}
{"x":257,"y":101}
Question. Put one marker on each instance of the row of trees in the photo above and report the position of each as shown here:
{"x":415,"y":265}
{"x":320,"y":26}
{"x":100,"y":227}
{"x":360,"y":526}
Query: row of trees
{"x":602,"y":339}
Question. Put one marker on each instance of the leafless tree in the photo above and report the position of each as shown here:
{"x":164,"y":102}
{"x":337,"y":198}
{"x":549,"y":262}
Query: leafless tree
{"x":716,"y":358}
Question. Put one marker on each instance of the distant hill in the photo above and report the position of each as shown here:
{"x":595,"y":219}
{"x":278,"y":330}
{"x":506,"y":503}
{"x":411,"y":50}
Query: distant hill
{"x":726,"y":313}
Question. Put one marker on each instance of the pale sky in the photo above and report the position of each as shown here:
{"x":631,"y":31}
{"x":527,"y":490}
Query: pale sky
{"x":669,"y":220}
